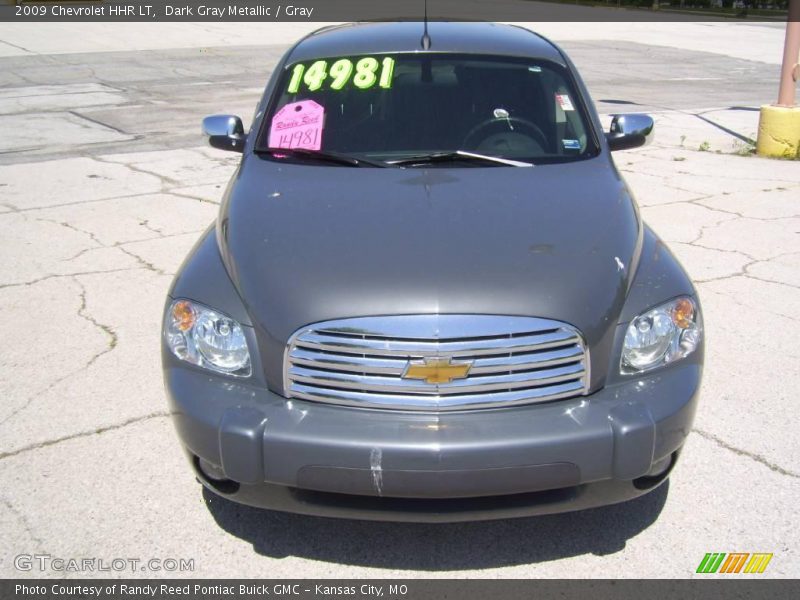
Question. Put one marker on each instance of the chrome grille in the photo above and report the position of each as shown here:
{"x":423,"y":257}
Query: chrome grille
{"x":362,"y":361}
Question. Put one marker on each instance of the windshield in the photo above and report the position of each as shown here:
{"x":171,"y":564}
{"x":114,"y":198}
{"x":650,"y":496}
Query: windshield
{"x":407,"y":106}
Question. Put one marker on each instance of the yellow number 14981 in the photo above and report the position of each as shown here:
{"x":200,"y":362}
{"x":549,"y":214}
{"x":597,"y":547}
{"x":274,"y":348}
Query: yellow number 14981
{"x":363,"y":74}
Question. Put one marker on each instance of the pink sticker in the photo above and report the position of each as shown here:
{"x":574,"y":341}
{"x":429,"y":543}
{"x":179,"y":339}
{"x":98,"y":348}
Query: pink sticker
{"x":298,"y":125}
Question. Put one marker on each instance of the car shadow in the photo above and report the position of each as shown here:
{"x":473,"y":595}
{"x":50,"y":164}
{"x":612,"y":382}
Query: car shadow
{"x":439,"y":547}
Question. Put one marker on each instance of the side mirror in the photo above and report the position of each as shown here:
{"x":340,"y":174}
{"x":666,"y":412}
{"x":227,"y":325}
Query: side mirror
{"x":630,"y":131}
{"x":225,"y":132}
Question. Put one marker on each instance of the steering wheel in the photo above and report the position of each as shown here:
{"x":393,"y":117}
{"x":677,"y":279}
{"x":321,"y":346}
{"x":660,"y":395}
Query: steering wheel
{"x":479,"y":136}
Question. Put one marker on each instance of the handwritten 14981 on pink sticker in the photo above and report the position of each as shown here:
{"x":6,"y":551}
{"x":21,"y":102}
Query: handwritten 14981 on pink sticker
{"x":298,"y":125}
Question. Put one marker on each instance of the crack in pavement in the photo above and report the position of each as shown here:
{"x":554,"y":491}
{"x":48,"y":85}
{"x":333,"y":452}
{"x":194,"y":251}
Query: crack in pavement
{"x":168,"y":192}
{"x":699,"y":202}
{"x":145,"y":264}
{"x":744,"y":269}
{"x":790,"y":183}
{"x":75,"y":113}
{"x":71,"y":227}
{"x":739,"y":452}
{"x":119,"y":245}
{"x":107,"y":329}
{"x":80,"y":253}
{"x":83,"y":434}
{"x":10,"y":207}
{"x":40,"y":393}
{"x":165,"y":181}
{"x":61,"y":275}
{"x":753,"y":259}
{"x":735,"y":300}
{"x":674,"y":202}
{"x":748,"y":275}
{"x":734,"y":216}
{"x":665,"y":182}
{"x":23,"y":519}
{"x":146,"y":224}
{"x":18,"y":47}
{"x":696,"y":242}
{"x":174,"y":192}
{"x":111,"y":345}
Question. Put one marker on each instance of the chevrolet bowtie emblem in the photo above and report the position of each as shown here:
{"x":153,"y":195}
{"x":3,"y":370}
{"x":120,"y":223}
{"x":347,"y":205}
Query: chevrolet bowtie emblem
{"x":437,"y":370}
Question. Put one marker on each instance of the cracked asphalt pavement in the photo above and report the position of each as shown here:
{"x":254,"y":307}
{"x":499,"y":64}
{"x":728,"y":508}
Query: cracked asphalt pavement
{"x":105,"y":184}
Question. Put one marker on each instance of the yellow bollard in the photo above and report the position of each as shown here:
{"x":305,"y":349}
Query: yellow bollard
{"x":779,"y":124}
{"x":779,"y":132}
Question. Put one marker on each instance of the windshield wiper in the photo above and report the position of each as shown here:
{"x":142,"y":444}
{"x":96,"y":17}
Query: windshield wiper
{"x":333,"y":157}
{"x":458,"y":155}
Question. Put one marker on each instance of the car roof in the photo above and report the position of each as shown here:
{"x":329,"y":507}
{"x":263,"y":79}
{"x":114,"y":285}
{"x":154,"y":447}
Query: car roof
{"x":354,"y":39}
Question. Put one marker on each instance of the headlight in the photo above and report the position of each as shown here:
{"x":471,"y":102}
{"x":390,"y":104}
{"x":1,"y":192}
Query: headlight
{"x":206,"y":338}
{"x":662,"y":335}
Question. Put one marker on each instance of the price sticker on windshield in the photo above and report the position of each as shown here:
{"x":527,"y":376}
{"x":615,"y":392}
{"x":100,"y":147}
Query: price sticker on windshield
{"x":363,"y":74}
{"x":298,"y":125}
{"x":564,"y":102}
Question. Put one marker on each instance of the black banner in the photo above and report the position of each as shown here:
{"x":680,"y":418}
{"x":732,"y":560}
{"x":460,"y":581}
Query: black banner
{"x":710,"y":588}
{"x":376,"y":10}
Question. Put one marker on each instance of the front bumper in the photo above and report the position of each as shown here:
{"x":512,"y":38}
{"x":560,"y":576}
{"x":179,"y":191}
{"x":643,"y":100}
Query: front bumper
{"x":326,"y":460}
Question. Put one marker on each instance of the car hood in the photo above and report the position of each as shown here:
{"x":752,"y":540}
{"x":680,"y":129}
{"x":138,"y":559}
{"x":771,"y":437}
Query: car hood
{"x":304,"y":244}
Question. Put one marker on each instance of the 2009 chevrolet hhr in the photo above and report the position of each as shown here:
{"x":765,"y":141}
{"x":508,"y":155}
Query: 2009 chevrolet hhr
{"x":429,"y":294}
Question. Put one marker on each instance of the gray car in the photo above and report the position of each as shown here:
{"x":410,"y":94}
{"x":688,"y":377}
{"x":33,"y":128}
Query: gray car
{"x":429,"y":294}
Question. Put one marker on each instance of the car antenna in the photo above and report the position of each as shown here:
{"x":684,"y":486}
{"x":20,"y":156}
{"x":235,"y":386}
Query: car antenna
{"x":426,"y":39}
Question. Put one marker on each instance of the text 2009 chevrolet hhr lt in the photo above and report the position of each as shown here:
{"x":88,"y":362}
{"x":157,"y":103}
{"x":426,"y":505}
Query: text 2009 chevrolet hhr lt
{"x":429,"y":294}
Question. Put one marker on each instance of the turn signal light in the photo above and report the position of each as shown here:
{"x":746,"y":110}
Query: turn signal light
{"x":184,"y":315}
{"x":683,"y":313}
